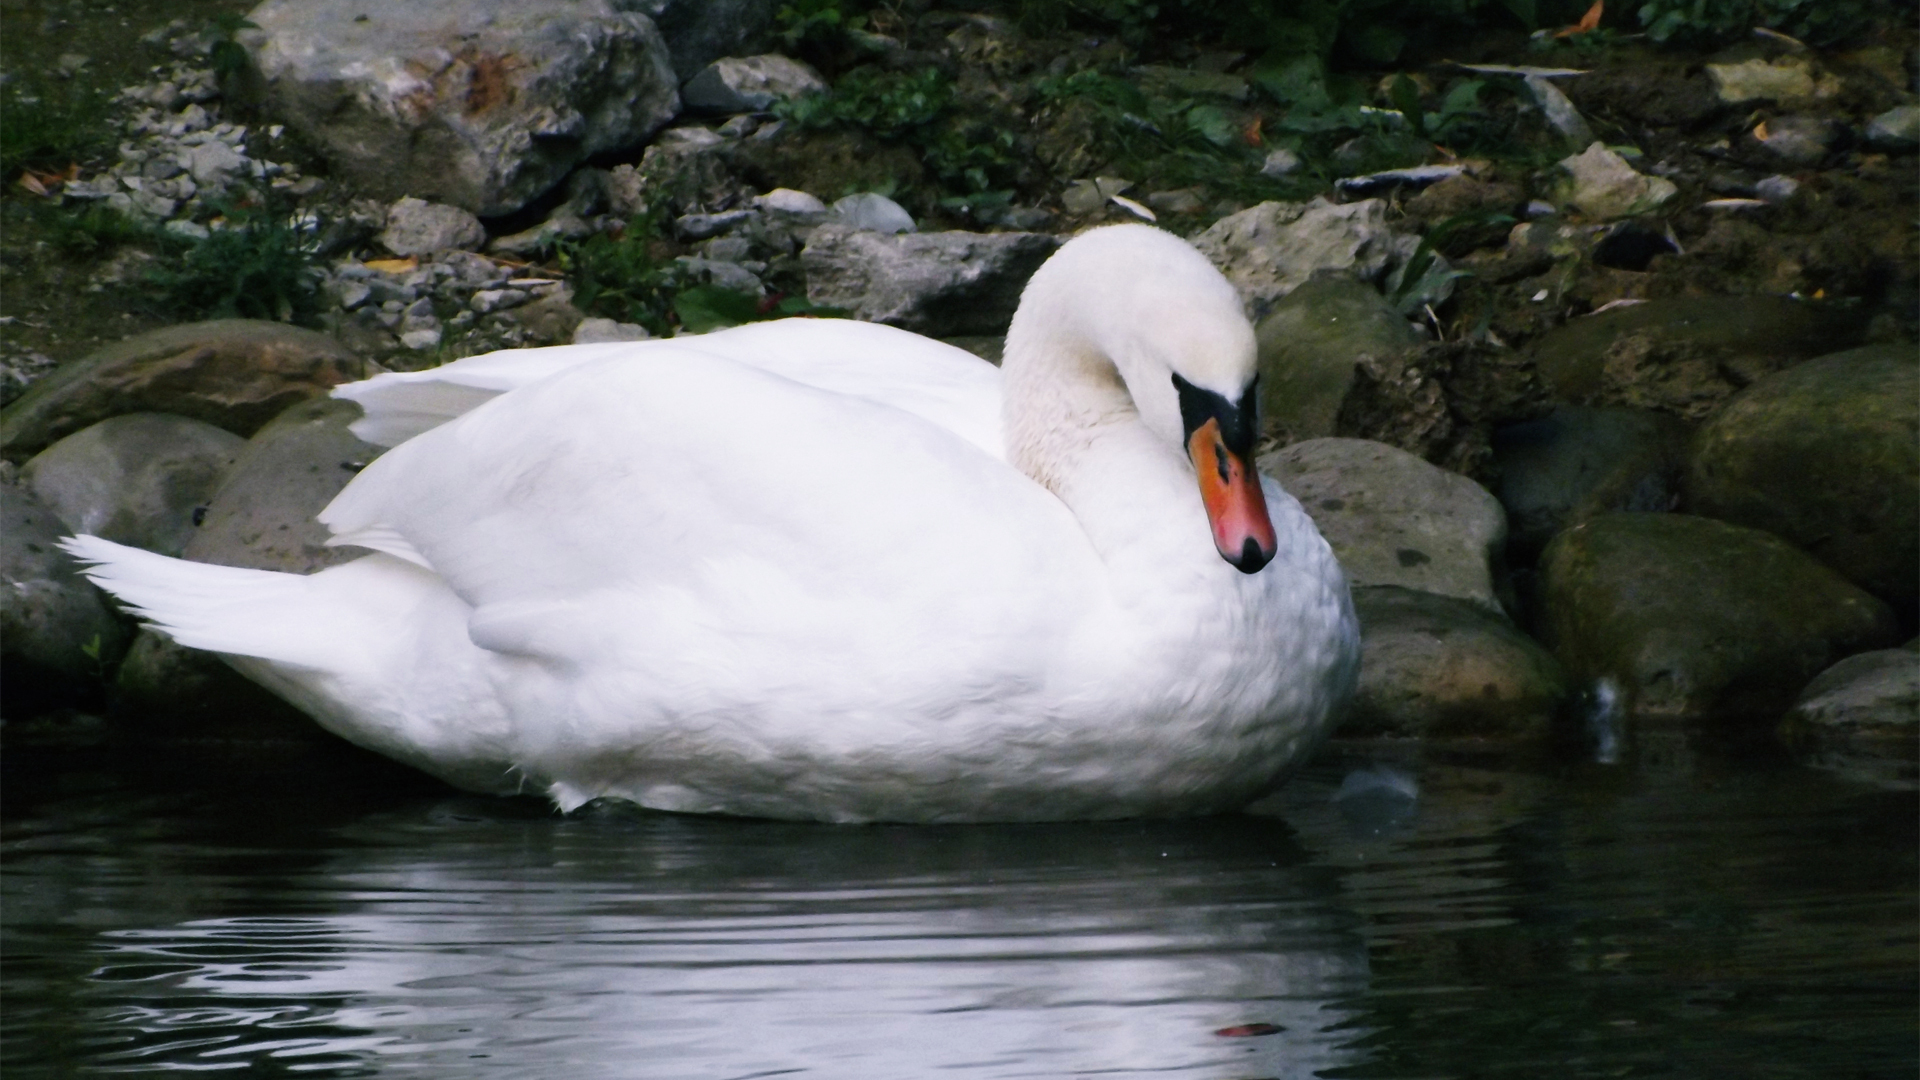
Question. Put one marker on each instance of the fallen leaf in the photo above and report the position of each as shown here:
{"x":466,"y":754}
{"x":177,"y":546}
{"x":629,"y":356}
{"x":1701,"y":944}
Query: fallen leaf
{"x":1760,"y":131}
{"x":394,"y":266}
{"x":1251,"y":135}
{"x":1243,"y":1031}
{"x":32,"y":183}
{"x":1588,"y":23}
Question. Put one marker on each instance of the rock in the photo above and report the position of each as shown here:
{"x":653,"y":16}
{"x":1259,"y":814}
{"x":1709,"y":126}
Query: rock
{"x":421,"y":339}
{"x":1827,"y":456}
{"x":1787,"y":79}
{"x":19,"y":371}
{"x":1084,"y":197}
{"x":262,"y":517}
{"x":791,"y":203}
{"x":1776,"y":189}
{"x":1603,"y":186}
{"x":1690,"y":617}
{"x":537,"y":241}
{"x":1801,"y":140}
{"x":550,"y":318}
{"x":1464,"y":195}
{"x":685,"y":171}
{"x":700,"y":31}
{"x":1684,"y":355}
{"x":1435,"y":666}
{"x":1271,"y":249}
{"x":232,"y":373}
{"x":418,"y":227}
{"x":742,"y":84}
{"x":938,"y":284}
{"x":136,"y":479}
{"x":873,"y":212}
{"x":1559,"y":112}
{"x":1308,"y":347}
{"x":1280,"y":163}
{"x":1393,"y":519}
{"x":481,"y":104}
{"x":1577,"y":463}
{"x":1870,"y":694}
{"x":214,"y":163}
{"x":599,"y":331}
{"x":1896,"y":130}
{"x":50,"y":616}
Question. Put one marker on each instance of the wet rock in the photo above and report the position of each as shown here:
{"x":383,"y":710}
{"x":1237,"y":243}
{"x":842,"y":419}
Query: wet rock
{"x":136,"y":479}
{"x":262,"y":517}
{"x":1896,"y":130}
{"x":418,"y":227}
{"x":19,"y":371}
{"x":1826,"y":455}
{"x":1601,"y":185}
{"x":1464,"y":195}
{"x":233,"y":373}
{"x":941,"y":283}
{"x":1577,"y":463}
{"x":1685,"y":355}
{"x":1271,"y":249}
{"x":1440,"y":667}
{"x":1861,"y":718}
{"x":1692,"y":617}
{"x":1393,"y":519}
{"x":1776,"y":189}
{"x":50,"y":617}
{"x":1800,"y":140}
{"x":873,"y":212}
{"x":741,"y":84}
{"x":481,"y":104}
{"x":1309,"y":344}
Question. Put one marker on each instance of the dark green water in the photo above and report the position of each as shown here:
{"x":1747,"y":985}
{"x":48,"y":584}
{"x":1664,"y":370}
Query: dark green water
{"x":1680,"y":915}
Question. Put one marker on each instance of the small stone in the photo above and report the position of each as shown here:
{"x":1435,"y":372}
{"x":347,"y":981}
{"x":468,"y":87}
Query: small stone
{"x":71,"y":63}
{"x":1602,"y":185}
{"x":1178,"y":201}
{"x":1802,"y":140}
{"x":350,"y":294}
{"x":487,"y":300}
{"x":702,"y":226}
{"x":739,"y":127}
{"x":1776,"y":189}
{"x":595,"y":331}
{"x":418,"y":227}
{"x":1897,"y":129}
{"x":1279,"y":163}
{"x":422,"y":339}
{"x":789,"y":201}
{"x":1787,"y":79}
{"x":191,"y":229}
{"x":737,"y":84}
{"x":1085,"y":197}
{"x":874,"y":213}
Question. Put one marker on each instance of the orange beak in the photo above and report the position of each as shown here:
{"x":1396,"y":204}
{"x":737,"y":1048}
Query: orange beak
{"x":1236,"y":507}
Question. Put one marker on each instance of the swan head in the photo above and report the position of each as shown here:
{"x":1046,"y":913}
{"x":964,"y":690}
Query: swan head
{"x":1142,"y":305}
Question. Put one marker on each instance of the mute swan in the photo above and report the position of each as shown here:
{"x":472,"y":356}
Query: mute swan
{"x":818,"y":569}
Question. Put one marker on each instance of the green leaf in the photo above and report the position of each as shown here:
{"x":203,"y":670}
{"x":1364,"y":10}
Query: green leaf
{"x":1377,"y":42}
{"x":1406,"y":98}
{"x":1215,"y":124}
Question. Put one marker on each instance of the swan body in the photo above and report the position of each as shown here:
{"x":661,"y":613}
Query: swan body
{"x":819,"y":569}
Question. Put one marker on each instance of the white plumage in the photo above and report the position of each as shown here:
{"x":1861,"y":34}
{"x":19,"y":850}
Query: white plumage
{"x":788,"y":570}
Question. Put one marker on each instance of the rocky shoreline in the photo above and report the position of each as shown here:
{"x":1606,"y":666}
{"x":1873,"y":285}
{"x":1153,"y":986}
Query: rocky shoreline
{"x":1644,"y":447}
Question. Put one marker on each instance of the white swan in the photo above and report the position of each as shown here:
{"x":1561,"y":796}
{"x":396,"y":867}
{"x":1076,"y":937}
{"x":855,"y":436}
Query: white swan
{"x":786,"y":570}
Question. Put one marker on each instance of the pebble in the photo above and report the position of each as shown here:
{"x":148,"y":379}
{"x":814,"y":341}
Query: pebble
{"x":1776,"y":189}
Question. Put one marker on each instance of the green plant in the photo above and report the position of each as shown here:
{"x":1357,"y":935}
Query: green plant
{"x":261,"y":265}
{"x":966,"y":153}
{"x":1817,"y":22}
{"x":226,"y":56}
{"x":92,"y":229}
{"x":619,"y":278}
{"x":49,"y":124}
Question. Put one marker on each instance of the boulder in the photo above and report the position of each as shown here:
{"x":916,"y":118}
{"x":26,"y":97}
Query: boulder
{"x":235,"y":374}
{"x":1827,"y":456}
{"x":481,"y":104}
{"x":1690,"y":617}
{"x":262,"y":517}
{"x":1685,"y":355}
{"x":137,"y":479}
{"x":57,"y":635}
{"x":742,"y":84}
{"x":1438,"y":667}
{"x":1393,"y":519}
{"x":418,"y":227}
{"x":1861,"y":718}
{"x":1577,"y":462}
{"x":1309,"y":343}
{"x":940,"y":283}
{"x":1273,"y":248}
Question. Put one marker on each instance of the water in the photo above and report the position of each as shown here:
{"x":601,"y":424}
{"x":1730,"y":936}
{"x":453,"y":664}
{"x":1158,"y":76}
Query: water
{"x":1680,"y":914}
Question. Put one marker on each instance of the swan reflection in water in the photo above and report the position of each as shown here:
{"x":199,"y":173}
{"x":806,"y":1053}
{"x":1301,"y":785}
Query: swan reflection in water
{"x":622,"y":944}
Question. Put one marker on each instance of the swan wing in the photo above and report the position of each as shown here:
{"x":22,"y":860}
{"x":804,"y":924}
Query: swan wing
{"x":937,"y":382}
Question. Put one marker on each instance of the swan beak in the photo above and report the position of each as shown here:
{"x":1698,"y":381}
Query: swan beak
{"x":1220,"y":437}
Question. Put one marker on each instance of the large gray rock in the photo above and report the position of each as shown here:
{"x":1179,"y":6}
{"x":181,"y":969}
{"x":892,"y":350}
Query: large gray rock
{"x":1439,"y":667}
{"x":418,"y":227}
{"x":741,"y":84}
{"x":1309,"y":344}
{"x":57,"y":635}
{"x":1577,"y":462}
{"x":262,"y":517}
{"x":1826,"y":455}
{"x":1273,"y":248}
{"x":482,"y":104}
{"x":135,"y":479}
{"x":1691,"y":617}
{"x":232,"y":373}
{"x":1685,"y":355}
{"x":940,"y":283}
{"x":1393,"y":519}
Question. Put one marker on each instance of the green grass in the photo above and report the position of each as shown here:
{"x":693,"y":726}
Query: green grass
{"x":48,"y":124}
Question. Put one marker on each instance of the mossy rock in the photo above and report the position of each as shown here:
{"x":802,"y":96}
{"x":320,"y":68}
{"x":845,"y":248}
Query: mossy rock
{"x":1826,"y":455}
{"x":1308,"y":345}
{"x":1692,"y":617}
